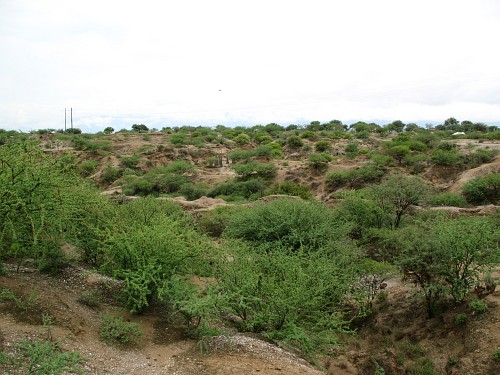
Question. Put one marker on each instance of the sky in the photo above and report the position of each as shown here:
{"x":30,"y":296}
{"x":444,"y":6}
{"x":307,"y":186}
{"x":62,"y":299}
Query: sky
{"x":234,"y":62}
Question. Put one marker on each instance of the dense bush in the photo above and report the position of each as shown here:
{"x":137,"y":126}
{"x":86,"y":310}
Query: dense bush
{"x":319,"y":160}
{"x":484,"y":189}
{"x":289,"y":188}
{"x":255,"y":170}
{"x":354,"y":178}
{"x":239,"y":190}
{"x":288,"y":222}
{"x":448,"y":199}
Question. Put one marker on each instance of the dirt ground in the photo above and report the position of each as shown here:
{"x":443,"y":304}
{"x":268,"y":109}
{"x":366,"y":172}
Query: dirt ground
{"x":164,"y":349}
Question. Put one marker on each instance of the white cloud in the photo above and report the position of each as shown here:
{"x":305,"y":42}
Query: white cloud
{"x":274,"y":61}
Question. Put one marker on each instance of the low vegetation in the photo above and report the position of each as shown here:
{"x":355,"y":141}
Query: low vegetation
{"x":293,"y":269}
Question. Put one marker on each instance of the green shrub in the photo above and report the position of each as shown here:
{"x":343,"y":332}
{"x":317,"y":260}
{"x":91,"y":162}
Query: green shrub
{"x":232,"y":190}
{"x":130,"y":161}
{"x":242,"y":155}
{"x":319,"y":160}
{"x":322,"y":146}
{"x":480,"y":157}
{"x":354,"y":178}
{"x":255,"y":170}
{"x":116,"y":331}
{"x":496,"y":355}
{"x":293,"y":223}
{"x":294,"y":142}
{"x":178,"y":139}
{"x":448,"y":199}
{"x":484,"y":189}
{"x":478,"y":306}
{"x":352,"y":149}
{"x":89,"y":298}
{"x":193,"y":191}
{"x":446,"y":157}
{"x":461,"y":319}
{"x":87,"y":167}
{"x":111,"y":174}
{"x":242,"y":139}
{"x":40,"y":357}
{"x":291,"y":297}
{"x":289,"y":188}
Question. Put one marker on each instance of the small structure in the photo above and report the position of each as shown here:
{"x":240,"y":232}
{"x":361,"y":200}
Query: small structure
{"x":458,"y":133}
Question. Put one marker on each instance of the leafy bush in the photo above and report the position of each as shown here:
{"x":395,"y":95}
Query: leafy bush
{"x":319,"y":160}
{"x":130,"y":161}
{"x":293,"y":223}
{"x":445,"y":157}
{"x":484,"y":189}
{"x":255,"y":170}
{"x":352,"y":149}
{"x":116,"y":331}
{"x":322,"y":146}
{"x":242,"y":139}
{"x":234,"y":190}
{"x":40,"y":357}
{"x":111,"y":174}
{"x":461,"y":319}
{"x":448,"y":199}
{"x":289,"y":188}
{"x":478,"y":306}
{"x":354,"y":178}
{"x":295,"y":298}
{"x":294,"y":142}
{"x":88,"y":167}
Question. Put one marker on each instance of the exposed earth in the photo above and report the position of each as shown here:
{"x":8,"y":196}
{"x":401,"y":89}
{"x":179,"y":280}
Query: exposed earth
{"x":397,"y":334}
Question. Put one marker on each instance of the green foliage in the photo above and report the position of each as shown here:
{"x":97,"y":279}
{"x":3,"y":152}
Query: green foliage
{"x":461,"y":319}
{"x":496,"y":355}
{"x":235,"y":190}
{"x":293,"y":297}
{"x":352,"y":149}
{"x":151,"y":242}
{"x":41,"y":205}
{"x":108,"y":130}
{"x":399,"y":152}
{"x":242,"y":139}
{"x":241,"y":155}
{"x":116,"y":331}
{"x":354,"y":178}
{"x":449,"y":256}
{"x":319,"y":160}
{"x":448,"y":199}
{"x":255,"y":170}
{"x":40,"y":357}
{"x":290,"y":188}
{"x":397,"y":194}
{"x":89,"y":298}
{"x":110,"y":174}
{"x":294,"y":142}
{"x":130,"y":161}
{"x":214,"y":222}
{"x":139,"y":128}
{"x":322,"y":146}
{"x":483,"y":189}
{"x":87,"y":167}
{"x":446,"y":158}
{"x":293,"y":223}
{"x":478,"y":306}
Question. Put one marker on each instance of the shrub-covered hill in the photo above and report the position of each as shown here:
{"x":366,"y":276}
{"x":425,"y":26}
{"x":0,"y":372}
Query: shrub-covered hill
{"x":326,"y":281}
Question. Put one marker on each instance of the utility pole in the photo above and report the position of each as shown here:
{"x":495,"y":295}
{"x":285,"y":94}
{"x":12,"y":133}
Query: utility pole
{"x":65,"y":118}
{"x":71,"y":118}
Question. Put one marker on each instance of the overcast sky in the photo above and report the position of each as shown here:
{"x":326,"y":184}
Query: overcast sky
{"x":209,"y":62}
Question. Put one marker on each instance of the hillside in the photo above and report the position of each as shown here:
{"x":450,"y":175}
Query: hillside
{"x":245,"y":251}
